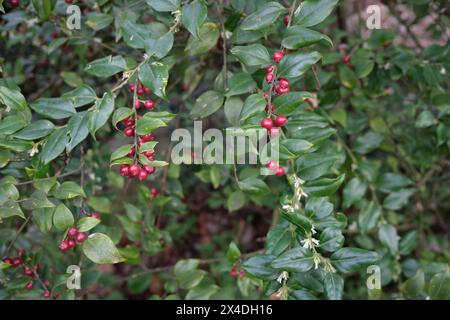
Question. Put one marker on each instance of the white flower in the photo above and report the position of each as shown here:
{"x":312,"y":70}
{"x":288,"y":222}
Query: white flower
{"x":34,"y":150}
{"x":316,"y":261}
{"x":309,"y":243}
{"x":283,"y":277}
{"x":313,"y":231}
{"x":288,"y":208}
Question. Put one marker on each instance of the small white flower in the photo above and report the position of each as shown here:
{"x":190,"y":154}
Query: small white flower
{"x":34,"y":150}
{"x":316,"y":261}
{"x":283,"y":277}
{"x":309,"y":243}
{"x":313,"y":231}
{"x":288,"y":208}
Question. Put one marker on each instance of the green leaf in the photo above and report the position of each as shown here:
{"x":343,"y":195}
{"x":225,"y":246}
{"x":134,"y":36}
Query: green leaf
{"x":311,"y":166}
{"x":294,"y":260}
{"x":100,"y":204}
{"x":206,"y":40}
{"x":12,"y":98}
{"x":390,"y":182}
{"x":37,"y":129}
{"x":323,"y":187}
{"x":254,"y":186}
{"x":313,"y":12}
{"x":81,"y":96}
{"x":439,"y":288}
{"x":296,"y":146}
{"x":98,"y":21}
{"x":54,"y":108}
{"x":331,"y":239}
{"x":11,"y":124}
{"x":78,"y":129}
{"x":235,"y":201}
{"x":106,"y":67}
{"x":87,"y":223}
{"x":193,"y":16}
{"x":72,"y":79}
{"x":62,"y":218}
{"x":389,"y":237}
{"x":164,"y":5}
{"x":278,"y":239}
{"x":348,"y":260}
{"x":121,"y":114}
{"x":99,"y":116}
{"x":413,"y":288}
{"x":397,"y":200}
{"x":367,"y":142}
{"x":240,"y":83}
{"x":259,"y":266}
{"x":288,"y":103}
{"x":120,"y":152}
{"x":135,"y":34}
{"x":233,"y":252}
{"x":294,"y":65}
{"x":159,"y":46}
{"x":69,"y":190}
{"x":44,"y":218}
{"x":333,"y":285}
{"x":38,"y":199}
{"x":207,"y":104}
{"x":203,"y":292}
{"x":303,"y":223}
{"x":297,"y":37}
{"x":232,"y":109}
{"x":155,"y":75}
{"x":368,"y":216}
{"x":100,"y":249}
{"x":253,"y":105}
{"x":187,"y":274}
{"x":252,"y":55}
{"x":425,"y":119}
{"x":353,"y":192}
{"x":10,"y":208}
{"x":55,"y":145}
{"x":264,"y":17}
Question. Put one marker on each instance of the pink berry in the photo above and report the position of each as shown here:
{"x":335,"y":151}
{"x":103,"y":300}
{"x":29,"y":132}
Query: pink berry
{"x":277,"y":56}
{"x":81,"y":237}
{"x":279,"y":172}
{"x":272,"y":165}
{"x":72,"y":232}
{"x":280,"y":121}
{"x":267,"y":123}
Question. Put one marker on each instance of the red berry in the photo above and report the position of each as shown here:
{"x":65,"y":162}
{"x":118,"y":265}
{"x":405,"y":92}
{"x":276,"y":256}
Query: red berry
{"x":28,"y":272}
{"x":71,"y":243}
{"x":14,"y":3}
{"x":46,"y":294}
{"x":272,"y":107}
{"x":147,"y":90}
{"x":269,"y":69}
{"x":266,"y":95}
{"x":72,"y":232}
{"x":142,"y":174}
{"x":346,"y":59}
{"x":272,"y":165}
{"x":274,"y":132}
{"x":149,"y":104}
{"x":129,"y":122}
{"x":21,"y":252}
{"x":149,"y":169}
{"x":280,"y":121}
{"x":242,"y":273}
{"x":267,"y":123}
{"x":134,"y":170}
{"x":283,"y":83}
{"x":280,"y":90}
{"x":64,"y":246}
{"x":129,"y":131}
{"x":69,"y":1}
{"x":286,"y":20}
{"x":37,"y":267}
{"x":233,"y":272}
{"x":8,"y":261}
{"x":137,"y":104}
{"x":81,"y":237}
{"x":279,"y":172}
{"x":153,"y":192}
{"x":149,"y":154}
{"x":124,"y":170}
{"x":17,"y":262}
{"x":140,"y":91}
{"x":95,"y":215}
{"x":29,"y":285}
{"x":269,"y":77}
{"x":131,"y":152}
{"x":131,"y":87}
{"x":277,"y":56}
{"x":148,"y":137}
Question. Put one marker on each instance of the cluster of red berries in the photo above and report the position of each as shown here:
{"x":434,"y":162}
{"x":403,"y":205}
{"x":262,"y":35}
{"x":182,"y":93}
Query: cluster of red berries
{"x":273,"y":166}
{"x":73,"y":237}
{"x":282,"y":84}
{"x":135,"y":170}
{"x":235,"y":271}
{"x":32,"y":272}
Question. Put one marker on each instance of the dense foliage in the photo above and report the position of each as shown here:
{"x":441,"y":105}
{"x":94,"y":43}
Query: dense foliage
{"x":362,"y":184}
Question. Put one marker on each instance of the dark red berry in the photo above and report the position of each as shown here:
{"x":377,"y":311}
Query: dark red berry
{"x":29,"y":285}
{"x":81,"y":237}
{"x":286,"y":20}
{"x":95,"y":215}
{"x":269,"y":77}
{"x":272,"y":108}
{"x":131,"y":152}
{"x":277,"y":56}
{"x":72,"y":232}
{"x":14,"y":3}
{"x":148,"y":137}
{"x":149,"y":104}
{"x":129,"y":122}
{"x":134,"y":170}
{"x":17,"y":262}
{"x":280,"y":90}
{"x":233,"y":272}
{"x":131,"y":87}
{"x":346,"y":59}
{"x":124,"y":170}
{"x":140,"y":91}
{"x":153,"y":192}
{"x":280,"y":121}
{"x":8,"y":261}
{"x":64,"y":246}
{"x":69,"y":1}
{"x":269,"y":69}
{"x":47,"y":294}
{"x":149,"y":169}
{"x":28,"y":272}
{"x":272,"y":165}
{"x":147,"y":90}
{"x":21,"y":252}
{"x":129,"y":131}
{"x":283,"y":83}
{"x":71,"y":243}
{"x":149,"y":154}
{"x":142,"y":174}
{"x":279,"y":172}
{"x":267,"y":123}
{"x":137,"y":104}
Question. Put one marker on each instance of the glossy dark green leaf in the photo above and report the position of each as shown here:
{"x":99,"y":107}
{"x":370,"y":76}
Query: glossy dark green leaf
{"x":207,"y":104}
{"x":352,"y":259}
{"x":252,"y":55}
{"x":155,"y":75}
{"x":294,"y":65}
{"x":55,"y":145}
{"x":295,"y":260}
{"x":62,"y":218}
{"x":106,"y":67}
{"x":207,"y":38}
{"x":323,"y":187}
{"x":263,"y":17}
{"x":100,"y":249}
{"x":54,"y":108}
{"x":297,"y":37}
{"x":193,"y":15}
{"x":78,"y":129}
{"x":37,"y":129}
{"x":99,"y":116}
{"x":164,"y":5}
{"x":313,"y":12}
